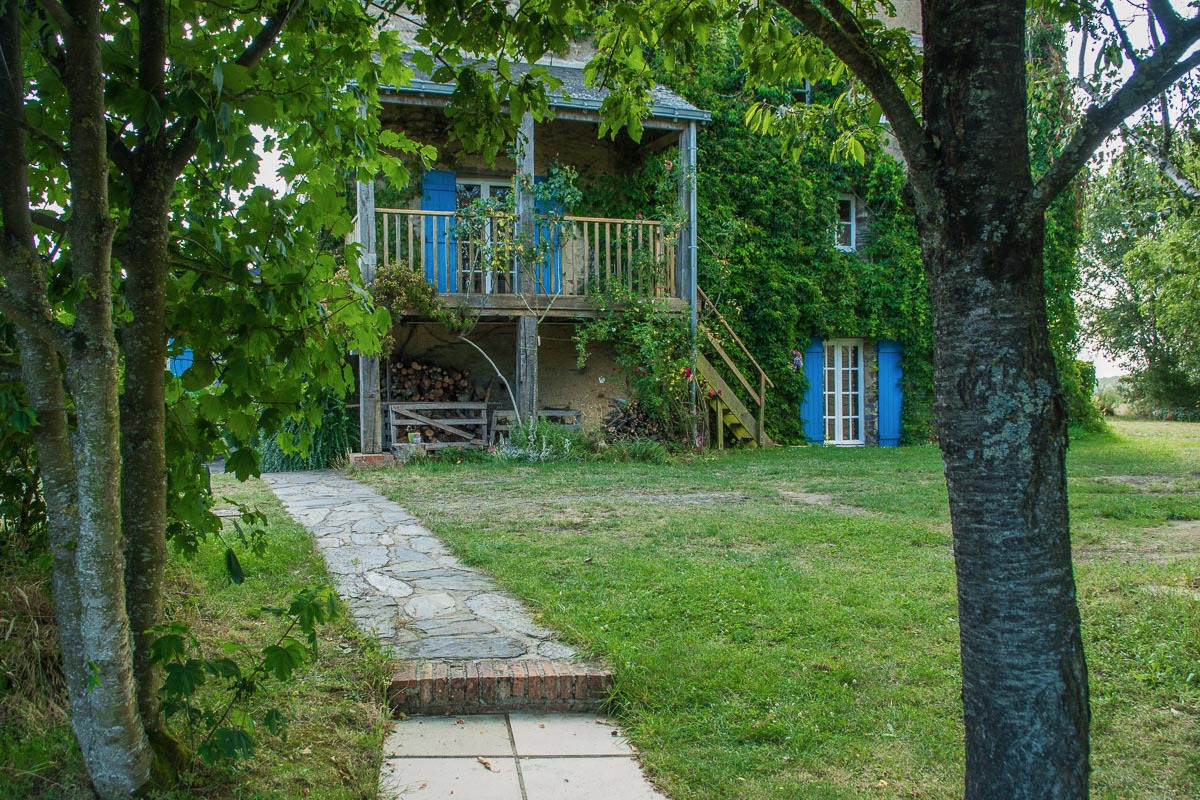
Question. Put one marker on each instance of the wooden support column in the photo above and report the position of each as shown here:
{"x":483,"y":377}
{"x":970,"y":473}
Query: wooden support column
{"x":369,"y":408}
{"x":527,"y":367}
{"x":527,"y":326}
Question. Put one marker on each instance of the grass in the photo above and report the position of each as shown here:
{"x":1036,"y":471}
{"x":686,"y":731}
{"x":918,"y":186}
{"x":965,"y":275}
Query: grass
{"x":335,"y":707}
{"x":782,"y":623}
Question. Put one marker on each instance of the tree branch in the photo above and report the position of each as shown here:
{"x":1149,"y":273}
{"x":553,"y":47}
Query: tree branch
{"x":1150,"y":78}
{"x":1167,"y":17}
{"x":1182,"y":182}
{"x":1122,"y":36}
{"x":56,"y":12}
{"x":266,"y":37}
{"x":50,"y":222}
{"x":36,"y":322}
{"x":845,"y":38}
{"x":185,"y":147}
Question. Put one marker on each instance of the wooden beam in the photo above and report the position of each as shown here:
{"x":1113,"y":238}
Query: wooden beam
{"x":527,"y":367}
{"x":661,"y":143}
{"x":369,"y":411}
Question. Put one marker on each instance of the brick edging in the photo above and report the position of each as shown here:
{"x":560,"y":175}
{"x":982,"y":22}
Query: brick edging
{"x":497,"y":685}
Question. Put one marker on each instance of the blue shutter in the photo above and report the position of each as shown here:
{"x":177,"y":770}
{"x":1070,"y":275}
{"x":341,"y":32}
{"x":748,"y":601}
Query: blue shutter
{"x":441,"y":250}
{"x":812,"y":407}
{"x":180,"y":364}
{"x":550,"y":273}
{"x":890,"y":394}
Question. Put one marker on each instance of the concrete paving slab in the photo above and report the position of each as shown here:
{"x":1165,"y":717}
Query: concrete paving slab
{"x":566,"y":735}
{"x":607,"y":778}
{"x":483,"y":735}
{"x":450,"y":779}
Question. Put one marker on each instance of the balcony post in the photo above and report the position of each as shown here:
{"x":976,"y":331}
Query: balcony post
{"x":526,"y":273}
{"x":369,"y":408}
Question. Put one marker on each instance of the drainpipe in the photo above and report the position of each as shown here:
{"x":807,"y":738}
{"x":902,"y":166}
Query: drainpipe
{"x":692,"y":250}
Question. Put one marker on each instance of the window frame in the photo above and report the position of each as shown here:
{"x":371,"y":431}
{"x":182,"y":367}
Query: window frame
{"x":834,"y":365}
{"x":851,"y":224}
{"x":490,"y":281}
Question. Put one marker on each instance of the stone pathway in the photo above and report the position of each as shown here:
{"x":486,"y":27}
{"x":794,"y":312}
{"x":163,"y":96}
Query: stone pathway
{"x":444,"y":619}
{"x":401,"y":583}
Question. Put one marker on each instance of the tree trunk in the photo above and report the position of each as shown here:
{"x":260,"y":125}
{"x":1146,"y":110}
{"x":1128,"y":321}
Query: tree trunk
{"x":106,"y":718}
{"x":143,"y":434}
{"x":1000,"y":415}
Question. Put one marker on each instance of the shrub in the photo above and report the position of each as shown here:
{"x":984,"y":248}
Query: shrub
{"x":645,"y":450}
{"x":541,"y":440}
{"x":328,"y":441}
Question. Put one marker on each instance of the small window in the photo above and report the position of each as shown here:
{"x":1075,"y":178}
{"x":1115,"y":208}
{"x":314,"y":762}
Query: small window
{"x":847,"y":235}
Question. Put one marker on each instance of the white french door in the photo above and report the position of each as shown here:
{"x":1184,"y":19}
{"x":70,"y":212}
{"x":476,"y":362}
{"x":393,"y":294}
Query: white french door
{"x":475,"y":276}
{"x":843,"y":392}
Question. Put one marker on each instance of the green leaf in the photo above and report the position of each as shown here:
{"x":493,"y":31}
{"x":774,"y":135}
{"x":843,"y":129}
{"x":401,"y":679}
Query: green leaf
{"x":223,"y":668}
{"x":182,"y":679}
{"x":233,"y":567}
{"x":233,"y":743}
{"x":284,"y":658}
{"x":276,"y":723}
{"x":243,"y":463}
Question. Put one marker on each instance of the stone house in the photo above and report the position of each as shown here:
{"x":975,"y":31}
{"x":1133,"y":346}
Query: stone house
{"x":519,"y":358}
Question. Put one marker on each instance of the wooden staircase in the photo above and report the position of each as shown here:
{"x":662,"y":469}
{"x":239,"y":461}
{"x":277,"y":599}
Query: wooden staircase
{"x":734,"y":419}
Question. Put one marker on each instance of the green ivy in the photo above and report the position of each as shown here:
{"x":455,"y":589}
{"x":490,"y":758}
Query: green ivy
{"x":767,"y":256}
{"x":652,"y":343}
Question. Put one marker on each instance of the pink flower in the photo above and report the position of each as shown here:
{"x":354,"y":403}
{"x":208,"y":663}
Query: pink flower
{"x":687,"y":372}
{"x":668,"y":164}
{"x":638,"y":216}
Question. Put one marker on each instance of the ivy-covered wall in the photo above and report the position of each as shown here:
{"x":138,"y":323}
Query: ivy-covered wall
{"x":767,"y":254}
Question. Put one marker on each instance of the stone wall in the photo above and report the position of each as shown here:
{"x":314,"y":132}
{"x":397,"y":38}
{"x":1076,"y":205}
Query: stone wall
{"x":870,"y":354}
{"x":567,"y":142}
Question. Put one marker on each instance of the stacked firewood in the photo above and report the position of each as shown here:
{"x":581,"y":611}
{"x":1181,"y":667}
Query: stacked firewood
{"x":407,"y":381}
{"x":627,"y":420}
{"x":417,"y":382}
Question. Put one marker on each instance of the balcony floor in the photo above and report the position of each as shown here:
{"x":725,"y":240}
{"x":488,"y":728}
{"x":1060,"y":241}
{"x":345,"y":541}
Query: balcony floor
{"x":540,"y":305}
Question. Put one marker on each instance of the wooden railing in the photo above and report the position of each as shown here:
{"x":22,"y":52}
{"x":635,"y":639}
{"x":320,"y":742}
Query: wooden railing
{"x":574,"y":256}
{"x":759,"y":396}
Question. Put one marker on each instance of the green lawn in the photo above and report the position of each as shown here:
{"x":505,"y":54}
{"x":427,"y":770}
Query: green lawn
{"x":782,"y":623}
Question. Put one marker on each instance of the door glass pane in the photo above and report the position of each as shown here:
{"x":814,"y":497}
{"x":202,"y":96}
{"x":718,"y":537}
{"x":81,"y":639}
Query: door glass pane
{"x":466,"y":194}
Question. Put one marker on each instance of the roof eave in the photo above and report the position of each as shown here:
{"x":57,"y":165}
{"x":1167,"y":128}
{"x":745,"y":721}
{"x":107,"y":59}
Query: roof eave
{"x":424,"y":88}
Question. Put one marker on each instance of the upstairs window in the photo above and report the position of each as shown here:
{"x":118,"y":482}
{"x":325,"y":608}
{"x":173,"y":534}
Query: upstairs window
{"x":847,"y":233}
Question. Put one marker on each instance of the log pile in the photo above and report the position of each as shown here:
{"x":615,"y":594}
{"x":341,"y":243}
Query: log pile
{"x":409,"y":381}
{"x":626,"y":420}
{"x":417,"y":382}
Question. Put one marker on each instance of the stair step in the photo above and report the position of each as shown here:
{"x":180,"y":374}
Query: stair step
{"x":497,"y":685}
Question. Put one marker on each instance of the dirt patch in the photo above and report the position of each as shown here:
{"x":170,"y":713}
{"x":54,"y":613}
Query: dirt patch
{"x":827,"y":501}
{"x":683,"y":499}
{"x":1154,"y":484}
{"x":1158,"y":590}
{"x":1171,"y":542}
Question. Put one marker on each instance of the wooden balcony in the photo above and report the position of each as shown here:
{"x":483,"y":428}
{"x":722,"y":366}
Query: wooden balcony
{"x":485,"y":263}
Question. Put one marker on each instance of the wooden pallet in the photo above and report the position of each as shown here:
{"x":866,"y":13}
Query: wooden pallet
{"x":467,"y":424}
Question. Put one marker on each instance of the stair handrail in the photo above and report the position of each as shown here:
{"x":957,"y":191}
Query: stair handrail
{"x":711,"y":306}
{"x":760,"y":397}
